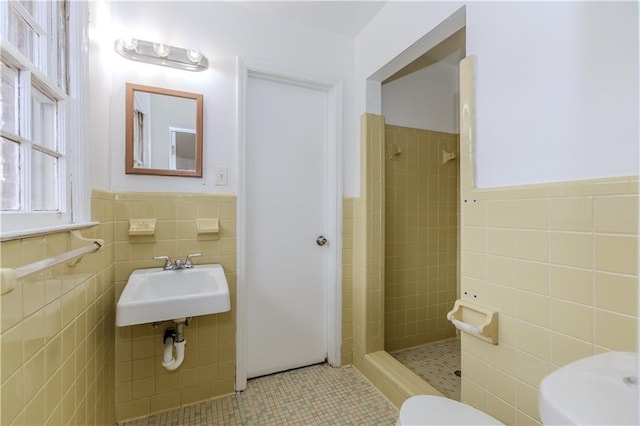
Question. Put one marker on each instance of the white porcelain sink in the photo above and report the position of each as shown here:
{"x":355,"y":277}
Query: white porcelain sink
{"x":158,"y":295}
{"x":597,"y":390}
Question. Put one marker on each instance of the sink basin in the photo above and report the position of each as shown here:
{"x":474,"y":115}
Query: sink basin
{"x":157,"y":295}
{"x":600,"y":389}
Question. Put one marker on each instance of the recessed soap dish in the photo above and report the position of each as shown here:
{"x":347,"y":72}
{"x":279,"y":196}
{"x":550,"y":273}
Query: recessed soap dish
{"x":208,"y":225}
{"x":142,"y":226}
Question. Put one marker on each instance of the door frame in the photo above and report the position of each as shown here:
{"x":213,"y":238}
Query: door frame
{"x":249,"y":67}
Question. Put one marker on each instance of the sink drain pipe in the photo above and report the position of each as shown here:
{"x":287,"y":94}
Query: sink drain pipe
{"x":174,"y":337}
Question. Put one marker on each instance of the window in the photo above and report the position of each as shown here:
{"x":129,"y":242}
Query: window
{"x":35,"y":171}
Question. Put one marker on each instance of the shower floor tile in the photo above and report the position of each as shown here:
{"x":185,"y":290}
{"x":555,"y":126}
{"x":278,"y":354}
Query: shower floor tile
{"x":316,"y":395}
{"x":436,"y":363}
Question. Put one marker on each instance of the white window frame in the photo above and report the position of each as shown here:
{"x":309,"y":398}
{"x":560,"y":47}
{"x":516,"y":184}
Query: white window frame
{"x":74,"y":193}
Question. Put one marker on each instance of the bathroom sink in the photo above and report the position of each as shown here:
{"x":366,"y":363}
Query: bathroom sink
{"x":157,"y":295}
{"x":600,"y":389}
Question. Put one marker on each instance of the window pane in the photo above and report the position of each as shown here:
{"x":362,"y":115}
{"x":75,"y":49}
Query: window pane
{"x":10,"y":175}
{"x":22,"y":36}
{"x":43,"y":119}
{"x":9,"y":99}
{"x":44,"y":181}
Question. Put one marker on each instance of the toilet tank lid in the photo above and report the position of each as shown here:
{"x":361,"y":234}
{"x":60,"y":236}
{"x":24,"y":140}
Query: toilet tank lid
{"x":436,"y":410}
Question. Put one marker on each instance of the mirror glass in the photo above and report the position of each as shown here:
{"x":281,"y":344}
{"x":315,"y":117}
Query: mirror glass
{"x":163,"y":132}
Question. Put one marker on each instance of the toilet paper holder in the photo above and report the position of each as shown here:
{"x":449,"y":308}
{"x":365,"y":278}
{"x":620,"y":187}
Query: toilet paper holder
{"x":475,"y":320}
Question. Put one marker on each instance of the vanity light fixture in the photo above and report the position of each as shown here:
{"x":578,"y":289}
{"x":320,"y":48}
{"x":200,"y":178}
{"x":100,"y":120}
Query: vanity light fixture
{"x":161,"y":54}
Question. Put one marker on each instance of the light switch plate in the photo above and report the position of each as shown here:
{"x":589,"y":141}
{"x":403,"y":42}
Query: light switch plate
{"x":221,"y":176}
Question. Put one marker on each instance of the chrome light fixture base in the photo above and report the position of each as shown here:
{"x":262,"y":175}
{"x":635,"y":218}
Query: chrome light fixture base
{"x":161,"y":54}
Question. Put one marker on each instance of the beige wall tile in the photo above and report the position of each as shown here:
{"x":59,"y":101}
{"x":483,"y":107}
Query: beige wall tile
{"x":507,"y":330}
{"x":501,"y":385}
{"x":532,"y":214}
{"x":616,"y":215}
{"x":475,"y":239}
{"x":11,"y":304}
{"x":501,"y":213}
{"x":571,"y":249}
{"x":34,"y":413}
{"x":571,"y":284}
{"x":474,"y":265}
{"x":532,"y":245}
{"x":531,"y":369}
{"x":616,"y":254}
{"x":533,"y":340}
{"x":133,"y":408}
{"x":501,"y":357}
{"x":11,"y":343}
{"x":571,"y":214}
{"x":572,"y":319}
{"x":565,"y":349}
{"x":474,"y":214}
{"x":533,"y":308}
{"x":474,"y":394}
{"x":618,"y":293}
{"x":33,"y":334}
{"x":500,"y":409}
{"x":12,"y":400}
{"x":532,"y":276}
{"x":615,"y":332}
{"x":527,"y":400}
{"x":500,"y":270}
{"x":500,"y":298}
{"x":63,"y":333}
{"x":420,"y":224}
{"x":33,"y":375}
{"x":500,"y":242}
{"x":524,"y":419}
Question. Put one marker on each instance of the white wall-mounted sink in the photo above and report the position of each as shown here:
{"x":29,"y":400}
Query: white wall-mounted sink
{"x":157,"y":295}
{"x":597,"y":390}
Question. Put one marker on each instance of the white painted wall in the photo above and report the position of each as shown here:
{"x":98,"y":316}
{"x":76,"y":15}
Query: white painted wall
{"x":557,"y":83}
{"x":222,"y":31}
{"x":426,"y":99}
{"x":557,"y":90}
{"x":98,"y":142}
{"x":572,"y":115}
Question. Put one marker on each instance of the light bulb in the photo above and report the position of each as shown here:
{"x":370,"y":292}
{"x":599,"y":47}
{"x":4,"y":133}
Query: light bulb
{"x":194,"y":56}
{"x":129,"y":43}
{"x":161,"y":49}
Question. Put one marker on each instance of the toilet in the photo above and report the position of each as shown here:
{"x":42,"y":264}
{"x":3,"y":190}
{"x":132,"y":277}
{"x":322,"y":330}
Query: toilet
{"x":436,"y":410}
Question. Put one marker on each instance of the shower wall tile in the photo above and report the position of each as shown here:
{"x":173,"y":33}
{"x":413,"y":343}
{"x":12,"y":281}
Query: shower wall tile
{"x":57,"y":340}
{"x":420,"y":241}
{"x":575,"y":293}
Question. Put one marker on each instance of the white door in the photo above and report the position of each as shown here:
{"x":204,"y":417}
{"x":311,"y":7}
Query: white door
{"x":286,"y":211}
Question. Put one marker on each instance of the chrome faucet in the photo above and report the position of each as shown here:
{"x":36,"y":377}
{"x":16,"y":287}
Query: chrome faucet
{"x":168,"y":264}
{"x":188,"y":263}
{"x":178,"y":263}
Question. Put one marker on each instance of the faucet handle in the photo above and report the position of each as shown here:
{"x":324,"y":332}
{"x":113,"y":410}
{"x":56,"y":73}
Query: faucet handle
{"x":189,"y":263}
{"x":167,"y":264}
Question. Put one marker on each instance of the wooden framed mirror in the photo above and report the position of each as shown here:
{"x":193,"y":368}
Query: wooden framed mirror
{"x":163,"y":132}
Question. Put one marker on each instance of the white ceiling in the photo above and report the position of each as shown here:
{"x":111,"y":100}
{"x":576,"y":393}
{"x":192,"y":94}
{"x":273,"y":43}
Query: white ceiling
{"x":342,"y":17}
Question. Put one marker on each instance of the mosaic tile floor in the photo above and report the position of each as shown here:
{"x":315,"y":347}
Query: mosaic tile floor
{"x":316,"y":395}
{"x":436,"y":363}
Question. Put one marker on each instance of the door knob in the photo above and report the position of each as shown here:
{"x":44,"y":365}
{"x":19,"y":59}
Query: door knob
{"x":321,"y":240}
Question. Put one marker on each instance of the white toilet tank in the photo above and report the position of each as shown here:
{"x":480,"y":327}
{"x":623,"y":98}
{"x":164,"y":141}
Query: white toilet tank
{"x":436,"y":410}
